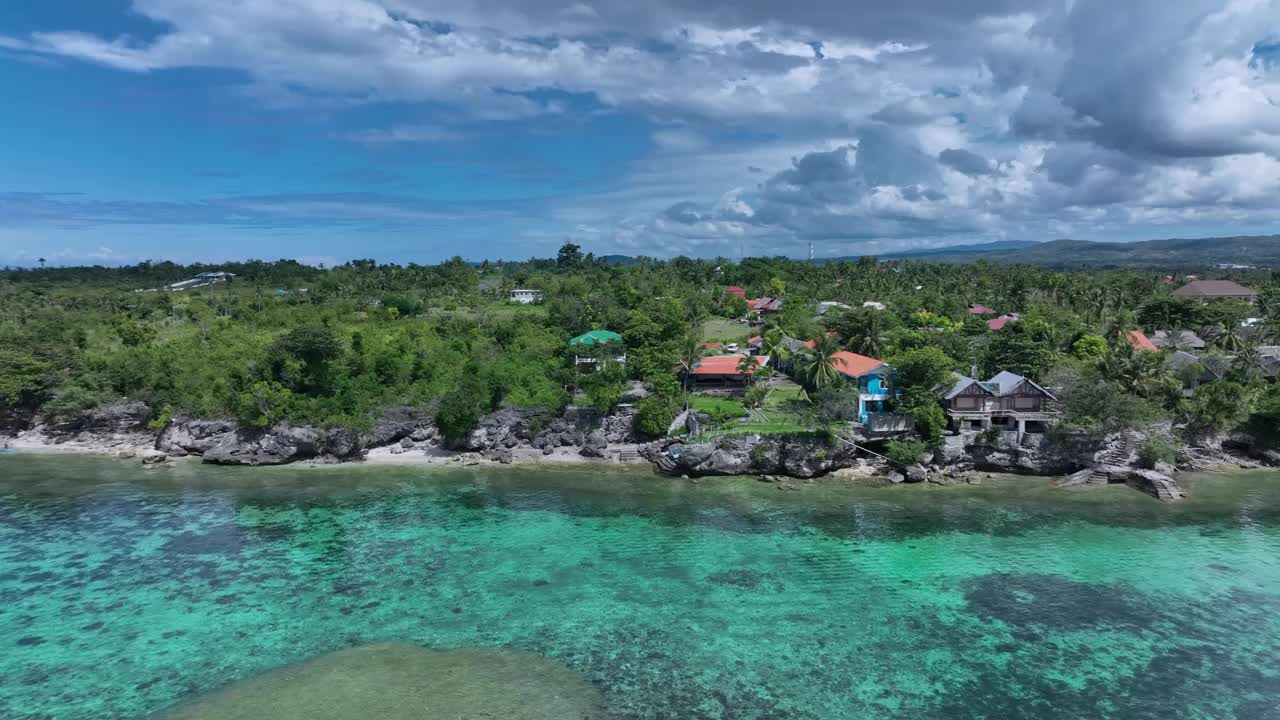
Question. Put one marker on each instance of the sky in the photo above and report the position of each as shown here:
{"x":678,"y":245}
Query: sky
{"x":417,"y":130}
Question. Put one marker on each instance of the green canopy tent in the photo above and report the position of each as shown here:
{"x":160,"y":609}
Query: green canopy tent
{"x":596,"y":337}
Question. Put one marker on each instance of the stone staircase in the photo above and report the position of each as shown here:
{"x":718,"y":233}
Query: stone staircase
{"x":1121,"y":454}
{"x":665,"y":463}
{"x":1109,"y":465}
{"x":629,"y":456}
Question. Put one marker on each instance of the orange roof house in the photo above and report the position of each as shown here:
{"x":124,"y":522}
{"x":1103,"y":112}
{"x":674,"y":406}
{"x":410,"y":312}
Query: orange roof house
{"x":1140,"y":341}
{"x":855,"y":365}
{"x":735,"y":290}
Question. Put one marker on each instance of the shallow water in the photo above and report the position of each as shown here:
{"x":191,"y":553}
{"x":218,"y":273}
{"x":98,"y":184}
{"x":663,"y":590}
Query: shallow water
{"x":124,"y":590}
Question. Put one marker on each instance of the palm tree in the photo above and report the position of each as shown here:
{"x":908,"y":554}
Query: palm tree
{"x":1120,"y":326}
{"x":1248,"y":363}
{"x":774,"y":345}
{"x":748,"y":366}
{"x":819,"y":369}
{"x":863,"y":331}
{"x":691,"y":351}
{"x":1230,"y":341}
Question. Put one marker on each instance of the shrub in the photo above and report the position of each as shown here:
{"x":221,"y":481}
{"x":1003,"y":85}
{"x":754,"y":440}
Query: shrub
{"x":160,"y":421}
{"x":1158,"y":449}
{"x":264,"y":404}
{"x":69,"y":400}
{"x":654,"y":414}
{"x":906,"y":452}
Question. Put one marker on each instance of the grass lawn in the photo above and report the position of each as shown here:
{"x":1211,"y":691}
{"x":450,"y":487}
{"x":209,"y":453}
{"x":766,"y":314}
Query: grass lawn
{"x":717,"y":406}
{"x":784,"y":407}
{"x":724,"y":331}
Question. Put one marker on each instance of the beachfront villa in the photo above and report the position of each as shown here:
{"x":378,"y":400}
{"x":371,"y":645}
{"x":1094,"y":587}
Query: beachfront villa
{"x":1007,"y":401}
{"x":876,"y":393}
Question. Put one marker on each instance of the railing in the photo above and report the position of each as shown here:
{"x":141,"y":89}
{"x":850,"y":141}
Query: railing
{"x":887,"y":422}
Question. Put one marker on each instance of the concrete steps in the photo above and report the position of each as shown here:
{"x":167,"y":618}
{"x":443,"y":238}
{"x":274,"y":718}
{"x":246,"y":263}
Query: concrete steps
{"x":666,"y":464}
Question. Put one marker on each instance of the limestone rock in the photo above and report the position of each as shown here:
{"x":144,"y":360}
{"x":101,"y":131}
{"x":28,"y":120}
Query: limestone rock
{"x":916,"y":474}
{"x":635,"y":392}
{"x":398,"y":422}
{"x":153,"y":457}
{"x":194,"y":437}
{"x":125,"y":416}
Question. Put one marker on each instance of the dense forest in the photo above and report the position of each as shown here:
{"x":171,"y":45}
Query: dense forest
{"x":330,"y":346}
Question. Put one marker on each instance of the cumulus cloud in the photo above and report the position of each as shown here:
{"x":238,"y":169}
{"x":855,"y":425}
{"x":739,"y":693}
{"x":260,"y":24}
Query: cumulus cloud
{"x":914,"y":119}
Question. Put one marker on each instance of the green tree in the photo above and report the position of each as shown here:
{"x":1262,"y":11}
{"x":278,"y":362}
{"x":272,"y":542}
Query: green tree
{"x":604,"y":387}
{"x":818,"y":369}
{"x":569,"y":257}
{"x":1017,"y":350}
{"x":748,"y":366}
{"x":1219,"y":407}
{"x":1092,"y":405}
{"x":755,"y":396}
{"x":692,"y":349}
{"x":133,"y":333}
{"x":264,"y":404}
{"x":23,"y":379}
{"x":774,"y":345}
{"x":918,"y":373}
{"x":864,"y":330}
{"x":1089,"y":348}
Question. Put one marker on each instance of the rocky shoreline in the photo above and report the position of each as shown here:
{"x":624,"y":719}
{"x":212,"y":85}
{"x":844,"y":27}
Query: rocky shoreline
{"x":408,"y":435}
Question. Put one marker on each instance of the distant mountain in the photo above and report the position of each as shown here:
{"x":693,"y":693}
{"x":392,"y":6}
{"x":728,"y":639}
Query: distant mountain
{"x":619,"y":260}
{"x":997,"y":246}
{"x":1174,"y":254}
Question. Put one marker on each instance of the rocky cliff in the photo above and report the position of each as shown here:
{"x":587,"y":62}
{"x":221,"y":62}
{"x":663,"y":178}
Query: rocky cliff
{"x":799,"y":457}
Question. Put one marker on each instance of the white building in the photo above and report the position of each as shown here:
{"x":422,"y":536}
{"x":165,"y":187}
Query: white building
{"x":526,"y":296}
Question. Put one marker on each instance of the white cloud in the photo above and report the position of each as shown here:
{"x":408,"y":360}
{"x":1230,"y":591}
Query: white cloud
{"x":891,"y":120}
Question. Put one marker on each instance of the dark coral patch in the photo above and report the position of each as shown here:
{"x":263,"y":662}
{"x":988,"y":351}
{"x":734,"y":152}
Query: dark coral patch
{"x":1052,"y":601}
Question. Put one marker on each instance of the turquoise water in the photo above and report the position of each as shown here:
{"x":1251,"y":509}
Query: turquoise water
{"x":125,"y":590}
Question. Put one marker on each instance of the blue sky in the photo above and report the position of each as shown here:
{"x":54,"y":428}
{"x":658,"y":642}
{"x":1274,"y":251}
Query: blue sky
{"x":408,"y":130}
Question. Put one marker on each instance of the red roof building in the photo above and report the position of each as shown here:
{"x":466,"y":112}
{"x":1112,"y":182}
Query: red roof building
{"x":765,"y":304}
{"x":1140,"y":341}
{"x":735,"y":290}
{"x":977,"y":309}
{"x":998,"y":323}
{"x":726,"y":365}
{"x":853,"y":364}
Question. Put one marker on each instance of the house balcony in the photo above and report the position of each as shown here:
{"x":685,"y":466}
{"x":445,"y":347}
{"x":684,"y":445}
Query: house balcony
{"x":1046,"y":415}
{"x":879,"y":423}
{"x":587,"y":360}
